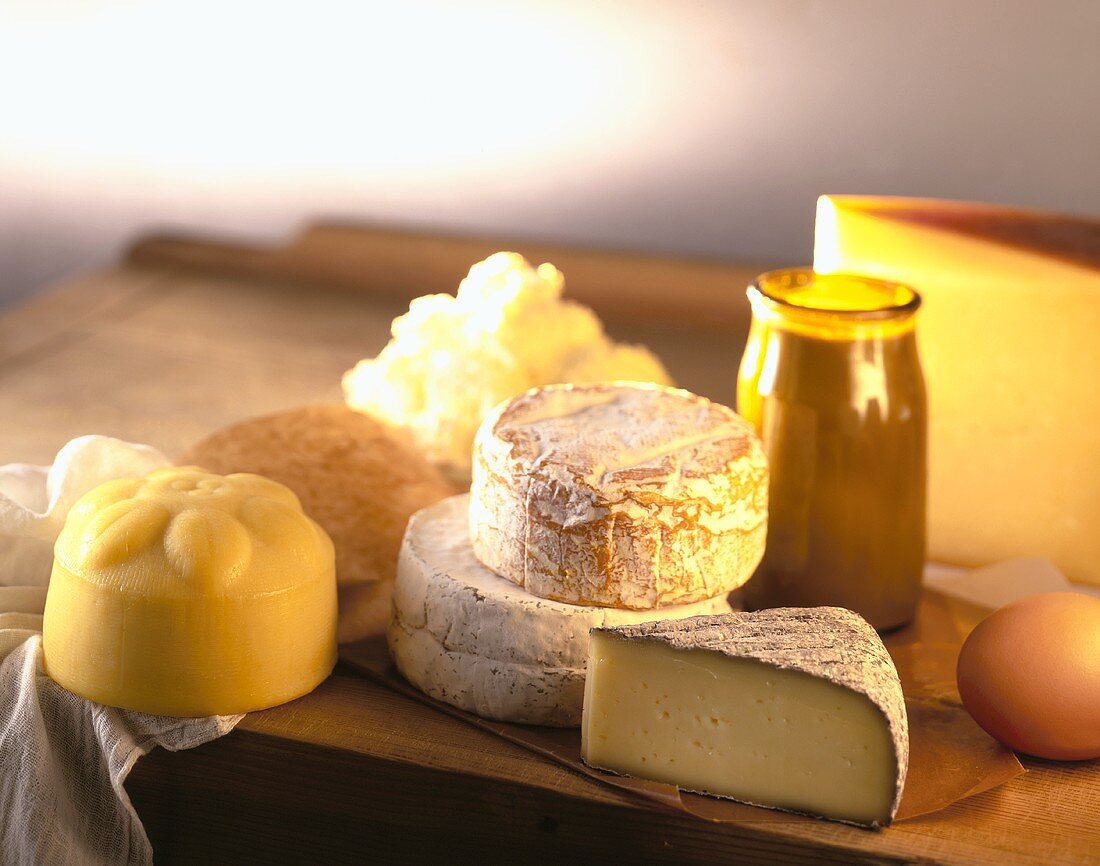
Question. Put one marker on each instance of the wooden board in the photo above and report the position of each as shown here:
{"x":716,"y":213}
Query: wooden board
{"x":384,"y":261}
{"x":175,"y":347}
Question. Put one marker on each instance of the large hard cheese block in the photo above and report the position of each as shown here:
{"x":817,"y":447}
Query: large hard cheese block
{"x":791,"y":708}
{"x":190,"y":594}
{"x":474,"y":640}
{"x":619,"y":494}
{"x":1009,"y":343}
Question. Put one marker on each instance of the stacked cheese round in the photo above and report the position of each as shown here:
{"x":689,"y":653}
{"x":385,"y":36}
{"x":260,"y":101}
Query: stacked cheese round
{"x":592,"y":506}
{"x":190,"y":594}
{"x":470,"y":638}
{"x":624,"y":495}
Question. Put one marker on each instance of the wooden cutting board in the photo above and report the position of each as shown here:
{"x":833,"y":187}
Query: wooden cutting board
{"x":186,"y":336}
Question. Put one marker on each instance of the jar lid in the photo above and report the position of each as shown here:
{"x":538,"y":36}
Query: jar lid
{"x":833,"y":305}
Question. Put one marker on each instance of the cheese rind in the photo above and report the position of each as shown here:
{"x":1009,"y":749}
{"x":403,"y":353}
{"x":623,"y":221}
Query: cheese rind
{"x":487,"y":687}
{"x":1007,"y":335}
{"x":190,"y":594}
{"x":798,"y":709}
{"x":618,"y":494}
{"x":466,"y":636}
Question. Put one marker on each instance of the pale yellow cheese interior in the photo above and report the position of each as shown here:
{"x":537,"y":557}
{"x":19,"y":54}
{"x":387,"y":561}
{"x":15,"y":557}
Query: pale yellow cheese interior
{"x":736,"y":728}
{"x":1009,"y":337}
{"x":190,"y":594}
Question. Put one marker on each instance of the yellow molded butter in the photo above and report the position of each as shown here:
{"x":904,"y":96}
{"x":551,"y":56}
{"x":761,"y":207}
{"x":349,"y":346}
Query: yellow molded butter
{"x":190,"y":594}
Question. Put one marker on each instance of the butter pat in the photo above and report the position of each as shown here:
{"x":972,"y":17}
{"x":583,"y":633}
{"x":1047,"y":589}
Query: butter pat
{"x":189,"y":594}
{"x":1008,"y":343}
{"x":793,"y":708}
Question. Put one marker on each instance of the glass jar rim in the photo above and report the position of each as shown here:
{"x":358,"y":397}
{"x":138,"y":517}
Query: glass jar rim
{"x":779,"y":289}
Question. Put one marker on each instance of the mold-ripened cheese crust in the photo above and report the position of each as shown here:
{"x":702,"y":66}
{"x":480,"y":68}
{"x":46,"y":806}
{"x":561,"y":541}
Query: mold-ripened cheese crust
{"x":619,"y":494}
{"x":468,"y":637}
{"x":830,"y":643}
{"x":487,"y":687}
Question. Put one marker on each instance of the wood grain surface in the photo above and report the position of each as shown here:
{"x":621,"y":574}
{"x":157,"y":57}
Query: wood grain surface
{"x":384,"y":261}
{"x":166,"y":351}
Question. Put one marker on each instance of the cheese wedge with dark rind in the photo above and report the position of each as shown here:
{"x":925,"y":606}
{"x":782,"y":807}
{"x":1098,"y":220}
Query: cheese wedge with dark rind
{"x":797,"y":709}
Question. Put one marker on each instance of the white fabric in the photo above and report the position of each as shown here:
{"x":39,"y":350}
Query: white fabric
{"x":64,"y":759}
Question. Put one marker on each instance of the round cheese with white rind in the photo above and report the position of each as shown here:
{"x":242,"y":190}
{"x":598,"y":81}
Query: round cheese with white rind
{"x":466,"y":636}
{"x":489,"y":688}
{"x":619,"y":494}
{"x":442,"y":588}
{"x":190,"y":594}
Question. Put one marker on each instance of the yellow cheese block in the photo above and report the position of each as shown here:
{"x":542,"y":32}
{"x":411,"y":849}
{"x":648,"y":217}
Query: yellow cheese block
{"x":1009,"y":337}
{"x":190,"y":594}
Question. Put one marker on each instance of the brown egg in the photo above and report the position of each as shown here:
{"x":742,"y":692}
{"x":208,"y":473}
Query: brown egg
{"x":1029,"y":674}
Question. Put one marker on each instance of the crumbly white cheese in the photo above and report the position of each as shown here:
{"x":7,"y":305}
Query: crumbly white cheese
{"x":468,"y":637}
{"x":453,"y":358}
{"x":619,"y":494}
{"x":793,"y":708}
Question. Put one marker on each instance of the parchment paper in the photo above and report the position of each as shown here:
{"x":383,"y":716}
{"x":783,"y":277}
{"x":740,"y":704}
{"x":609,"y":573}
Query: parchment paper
{"x":950,"y":757}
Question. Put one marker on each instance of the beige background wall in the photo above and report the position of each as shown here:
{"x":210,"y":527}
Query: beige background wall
{"x":694,"y":127}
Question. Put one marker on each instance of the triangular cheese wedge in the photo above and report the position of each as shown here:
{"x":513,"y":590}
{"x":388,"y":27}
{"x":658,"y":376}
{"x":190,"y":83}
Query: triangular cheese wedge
{"x":793,"y":708}
{"x":1009,"y":338}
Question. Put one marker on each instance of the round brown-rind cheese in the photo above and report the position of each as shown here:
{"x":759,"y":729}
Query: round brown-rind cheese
{"x":619,"y":494}
{"x":354,"y":475}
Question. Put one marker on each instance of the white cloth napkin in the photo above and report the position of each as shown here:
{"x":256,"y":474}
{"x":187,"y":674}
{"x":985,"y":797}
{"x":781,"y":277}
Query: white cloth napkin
{"x":64,"y":759}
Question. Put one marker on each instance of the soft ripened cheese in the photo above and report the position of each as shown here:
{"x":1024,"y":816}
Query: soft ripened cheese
{"x":453,"y":358}
{"x":189,"y":594}
{"x":474,"y":640}
{"x":487,"y":687}
{"x":1009,"y":346}
{"x":619,"y":494}
{"x":792,"y":708}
